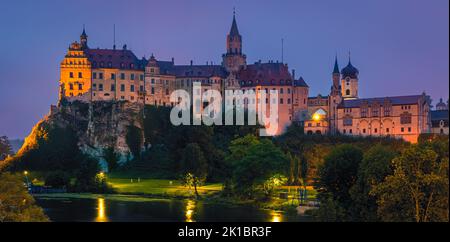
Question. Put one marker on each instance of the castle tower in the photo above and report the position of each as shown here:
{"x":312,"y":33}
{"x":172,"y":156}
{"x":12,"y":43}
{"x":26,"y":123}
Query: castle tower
{"x":349,"y":82}
{"x":335,"y":98}
{"x":234,"y":60}
{"x":84,"y":39}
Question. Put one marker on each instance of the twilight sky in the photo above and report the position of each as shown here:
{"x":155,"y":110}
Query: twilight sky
{"x":400,"y":47}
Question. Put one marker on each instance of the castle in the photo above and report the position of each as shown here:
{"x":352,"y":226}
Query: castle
{"x":117,"y":74}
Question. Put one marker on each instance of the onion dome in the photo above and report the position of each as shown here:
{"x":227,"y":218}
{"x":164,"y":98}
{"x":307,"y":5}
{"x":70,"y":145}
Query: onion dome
{"x":349,"y":71}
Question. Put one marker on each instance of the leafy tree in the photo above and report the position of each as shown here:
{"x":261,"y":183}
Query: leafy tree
{"x":418,"y":189}
{"x":16,"y":204}
{"x":374,"y":168}
{"x":194,"y":166}
{"x":134,"y":140}
{"x":254,"y":163}
{"x":111,"y":158}
{"x":338,"y":174}
{"x":57,"y":179}
{"x":5,"y":147}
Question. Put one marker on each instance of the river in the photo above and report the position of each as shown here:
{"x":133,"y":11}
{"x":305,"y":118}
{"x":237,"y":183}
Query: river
{"x":155,"y":210}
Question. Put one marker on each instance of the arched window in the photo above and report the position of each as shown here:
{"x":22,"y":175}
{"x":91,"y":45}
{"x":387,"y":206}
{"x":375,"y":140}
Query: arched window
{"x":347,"y":92}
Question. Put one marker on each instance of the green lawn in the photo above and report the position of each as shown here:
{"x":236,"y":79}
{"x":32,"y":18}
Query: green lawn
{"x":159,"y":187}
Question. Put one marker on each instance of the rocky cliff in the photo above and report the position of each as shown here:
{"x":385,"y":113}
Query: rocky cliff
{"x":98,"y":126}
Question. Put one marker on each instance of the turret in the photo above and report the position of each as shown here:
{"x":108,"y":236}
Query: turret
{"x":84,"y":39}
{"x":233,"y":60}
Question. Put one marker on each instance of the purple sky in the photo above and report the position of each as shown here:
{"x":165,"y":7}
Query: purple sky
{"x":400,"y":47}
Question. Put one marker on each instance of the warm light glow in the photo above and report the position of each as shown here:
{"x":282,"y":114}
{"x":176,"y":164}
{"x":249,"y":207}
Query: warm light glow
{"x":316,"y":117}
{"x":101,"y":216}
{"x":190,"y":207}
{"x":276,"y":217}
{"x":25,"y":173}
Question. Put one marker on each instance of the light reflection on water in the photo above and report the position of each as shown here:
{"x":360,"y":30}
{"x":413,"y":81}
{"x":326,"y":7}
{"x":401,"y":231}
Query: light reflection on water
{"x":101,"y":213}
{"x":189,"y":210}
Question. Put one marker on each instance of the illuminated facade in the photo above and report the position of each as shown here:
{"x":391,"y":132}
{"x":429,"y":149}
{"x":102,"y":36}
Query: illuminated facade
{"x":90,"y":75}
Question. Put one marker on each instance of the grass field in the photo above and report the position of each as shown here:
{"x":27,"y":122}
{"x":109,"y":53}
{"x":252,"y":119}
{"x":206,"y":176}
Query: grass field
{"x":159,"y":187}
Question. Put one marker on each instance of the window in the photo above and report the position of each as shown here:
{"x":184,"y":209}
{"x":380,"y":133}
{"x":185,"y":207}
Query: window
{"x":131,"y":88}
{"x":402,"y":129}
{"x":347,"y":92}
{"x":94,"y":86}
{"x":122,"y":76}
{"x":71,"y":74}
{"x":344,"y":131}
{"x":167,"y":91}
{"x":141,"y":88}
{"x":100,"y":87}
{"x":153,"y":90}
{"x":364,"y":131}
{"x":375,"y":130}
{"x":281,"y":100}
{"x":281,"y":90}
{"x":70,"y":86}
{"x":289,"y":91}
{"x":100,"y":76}
{"x":405,"y":118}
{"x":387,"y":130}
{"x":122,"y":87}
{"x":153,"y":81}
{"x":94,"y":75}
{"x":289,"y":101}
{"x":375,"y":111}
{"x":113,"y":76}
{"x":113,"y":87}
{"x":348,"y":121}
{"x":141,"y":77}
{"x":409,"y":129}
{"x":350,"y":131}
{"x":364,"y":112}
{"x":80,"y":75}
{"x":80,"y":86}
{"x":387,"y":111}
{"x":132,"y":76}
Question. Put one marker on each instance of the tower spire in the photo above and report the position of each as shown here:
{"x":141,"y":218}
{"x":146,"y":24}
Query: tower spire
{"x":234,"y":29}
{"x":83,"y":38}
{"x":336,"y":66}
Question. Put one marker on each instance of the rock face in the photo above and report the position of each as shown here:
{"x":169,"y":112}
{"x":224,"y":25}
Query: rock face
{"x":98,"y":126}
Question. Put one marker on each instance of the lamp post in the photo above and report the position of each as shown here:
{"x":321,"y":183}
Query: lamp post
{"x":26,"y":178}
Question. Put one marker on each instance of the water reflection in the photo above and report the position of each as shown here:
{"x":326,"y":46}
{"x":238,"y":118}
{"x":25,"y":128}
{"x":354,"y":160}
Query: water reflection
{"x":276,"y":216}
{"x":101,"y":216}
{"x":190,"y":209}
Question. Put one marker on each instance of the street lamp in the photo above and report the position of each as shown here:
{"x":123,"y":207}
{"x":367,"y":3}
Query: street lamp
{"x":26,"y":177}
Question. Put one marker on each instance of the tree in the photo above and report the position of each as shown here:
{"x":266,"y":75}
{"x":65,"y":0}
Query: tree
{"x":255,"y":164}
{"x":16,"y":204}
{"x":111,"y":158}
{"x":5,"y":148}
{"x":418,"y":188}
{"x":194,"y":166}
{"x":374,"y":168}
{"x":338,"y":174}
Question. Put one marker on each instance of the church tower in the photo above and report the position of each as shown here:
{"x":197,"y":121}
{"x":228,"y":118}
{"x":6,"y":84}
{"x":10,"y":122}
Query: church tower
{"x":335,"y":98}
{"x":83,"y":39}
{"x":349,"y":82}
{"x":234,"y":60}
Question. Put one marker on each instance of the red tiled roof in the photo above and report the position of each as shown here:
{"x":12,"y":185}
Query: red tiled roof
{"x":110,"y":58}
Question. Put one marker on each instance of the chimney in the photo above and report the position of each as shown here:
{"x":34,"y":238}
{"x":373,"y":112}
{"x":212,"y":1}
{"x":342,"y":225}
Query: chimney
{"x":124,"y":47}
{"x":173,"y":60}
{"x":192,"y":62}
{"x":293,"y":74}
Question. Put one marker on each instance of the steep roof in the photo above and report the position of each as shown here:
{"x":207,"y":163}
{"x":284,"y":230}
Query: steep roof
{"x":264,"y":74}
{"x":197,"y":70}
{"x":437,"y":115}
{"x":234,"y":29}
{"x":397,"y":100}
{"x":336,"y":67}
{"x":112,"y":58}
